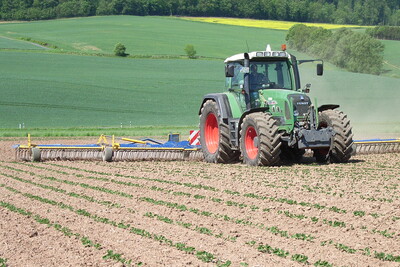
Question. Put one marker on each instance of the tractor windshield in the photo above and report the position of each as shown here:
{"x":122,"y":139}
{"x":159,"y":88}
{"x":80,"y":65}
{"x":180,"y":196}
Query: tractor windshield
{"x":270,"y":75}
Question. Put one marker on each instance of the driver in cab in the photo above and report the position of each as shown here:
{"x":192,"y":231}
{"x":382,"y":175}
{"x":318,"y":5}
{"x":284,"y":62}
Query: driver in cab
{"x":256,"y":79}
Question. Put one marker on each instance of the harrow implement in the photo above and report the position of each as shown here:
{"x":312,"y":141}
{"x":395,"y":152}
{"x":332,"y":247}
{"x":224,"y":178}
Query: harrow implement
{"x":377,"y":146}
{"x":134,"y":150}
{"x":149,"y":149}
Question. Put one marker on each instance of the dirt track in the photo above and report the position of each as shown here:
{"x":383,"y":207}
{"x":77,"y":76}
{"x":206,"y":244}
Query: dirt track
{"x":193,"y":213}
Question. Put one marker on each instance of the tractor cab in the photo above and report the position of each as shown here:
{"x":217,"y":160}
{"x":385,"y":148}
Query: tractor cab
{"x":266,"y":69}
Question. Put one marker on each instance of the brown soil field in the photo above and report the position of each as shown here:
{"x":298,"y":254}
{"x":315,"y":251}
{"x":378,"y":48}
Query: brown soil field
{"x":146,"y":213}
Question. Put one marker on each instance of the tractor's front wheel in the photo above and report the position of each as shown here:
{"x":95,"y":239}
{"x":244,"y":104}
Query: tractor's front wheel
{"x":260,"y":140}
{"x":214,"y":136}
{"x":341,"y":149}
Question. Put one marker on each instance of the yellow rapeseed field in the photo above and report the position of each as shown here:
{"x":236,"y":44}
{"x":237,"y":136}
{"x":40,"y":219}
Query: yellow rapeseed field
{"x":268,"y":24}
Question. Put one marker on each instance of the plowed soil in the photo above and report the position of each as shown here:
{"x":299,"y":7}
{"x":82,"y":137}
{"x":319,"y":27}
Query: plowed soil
{"x":198,"y":214}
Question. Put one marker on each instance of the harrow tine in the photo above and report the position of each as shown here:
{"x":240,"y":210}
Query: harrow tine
{"x":378,"y":147}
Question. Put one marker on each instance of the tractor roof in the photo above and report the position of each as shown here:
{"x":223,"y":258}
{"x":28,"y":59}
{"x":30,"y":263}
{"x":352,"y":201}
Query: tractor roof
{"x":268,"y":53}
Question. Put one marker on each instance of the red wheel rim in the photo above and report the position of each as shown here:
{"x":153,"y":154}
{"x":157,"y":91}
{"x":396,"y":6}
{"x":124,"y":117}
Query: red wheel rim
{"x":211,"y":133}
{"x":251,"y":148}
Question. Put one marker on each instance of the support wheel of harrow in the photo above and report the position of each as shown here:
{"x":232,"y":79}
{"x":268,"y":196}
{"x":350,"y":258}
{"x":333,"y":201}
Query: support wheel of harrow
{"x":342,"y":144}
{"x":36,"y":154}
{"x":214,"y":136}
{"x":260,"y":140}
{"x":108,"y":154}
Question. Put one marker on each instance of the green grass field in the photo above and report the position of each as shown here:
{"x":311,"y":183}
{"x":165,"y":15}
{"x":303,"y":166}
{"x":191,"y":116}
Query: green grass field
{"x":49,"y":90}
{"x":62,"y":92}
{"x":144,"y":35}
{"x":6,"y":43}
{"x":392,"y":58}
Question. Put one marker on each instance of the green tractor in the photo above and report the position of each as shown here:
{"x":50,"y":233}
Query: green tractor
{"x":265,"y":116}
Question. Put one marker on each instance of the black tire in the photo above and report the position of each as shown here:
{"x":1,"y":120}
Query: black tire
{"x":214,"y":136}
{"x":342,"y":145}
{"x":260,"y":140}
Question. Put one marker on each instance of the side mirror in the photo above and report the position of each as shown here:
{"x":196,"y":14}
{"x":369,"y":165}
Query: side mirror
{"x":229,"y":71}
{"x":320,"y":69}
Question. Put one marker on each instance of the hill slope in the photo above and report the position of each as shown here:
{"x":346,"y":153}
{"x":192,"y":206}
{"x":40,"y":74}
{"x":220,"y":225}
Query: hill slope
{"x":144,"y":35}
{"x":44,"y":89}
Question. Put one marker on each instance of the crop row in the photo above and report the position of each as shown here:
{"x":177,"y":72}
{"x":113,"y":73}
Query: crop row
{"x":275,"y":230}
{"x":190,"y":226}
{"x":365,"y":251}
{"x":265,"y":248}
{"x":154,"y":188}
{"x":200,"y":254}
{"x":272,"y":229}
{"x":86,"y":242}
{"x":3,"y":262}
{"x":305,"y":173}
{"x":114,"y":205}
{"x":210,"y":188}
{"x":333,"y":223}
{"x":276,"y":251}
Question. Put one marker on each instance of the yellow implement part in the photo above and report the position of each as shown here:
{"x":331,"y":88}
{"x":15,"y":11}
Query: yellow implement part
{"x":65,"y":147}
{"x":133,"y":140}
{"x":102,"y":140}
{"x":29,"y":141}
{"x":378,"y":142}
{"x":158,"y":148}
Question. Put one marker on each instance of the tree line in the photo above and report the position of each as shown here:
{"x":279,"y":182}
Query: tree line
{"x":385,"y":32}
{"x":353,"y":51}
{"x":362,"y":12}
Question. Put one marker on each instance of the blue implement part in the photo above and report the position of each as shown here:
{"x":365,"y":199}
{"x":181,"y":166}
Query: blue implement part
{"x":168,"y":144}
{"x":376,"y":140}
{"x":376,"y":146}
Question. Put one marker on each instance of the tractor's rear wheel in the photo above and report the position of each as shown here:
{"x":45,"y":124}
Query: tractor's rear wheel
{"x":341,"y":149}
{"x":214,"y":136}
{"x":260,"y":140}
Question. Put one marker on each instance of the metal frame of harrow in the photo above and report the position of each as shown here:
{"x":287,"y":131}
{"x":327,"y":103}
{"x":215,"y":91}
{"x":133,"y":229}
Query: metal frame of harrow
{"x":377,"y":146}
{"x":135,"y":150}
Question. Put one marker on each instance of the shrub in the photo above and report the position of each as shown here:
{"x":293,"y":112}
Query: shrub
{"x":190,"y":52}
{"x":385,"y":32}
{"x":119,"y":50}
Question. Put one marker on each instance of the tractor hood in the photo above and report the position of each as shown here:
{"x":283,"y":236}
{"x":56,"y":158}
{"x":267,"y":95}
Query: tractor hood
{"x":282,"y":103}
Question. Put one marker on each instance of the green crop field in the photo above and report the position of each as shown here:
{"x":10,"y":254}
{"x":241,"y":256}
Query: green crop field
{"x":7,"y":43}
{"x":68,"y":87}
{"x":144,"y":35}
{"x":53,"y":90}
{"x":392,"y":58}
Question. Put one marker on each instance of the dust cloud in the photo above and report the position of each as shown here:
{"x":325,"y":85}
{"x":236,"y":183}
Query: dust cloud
{"x":371,"y":102}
